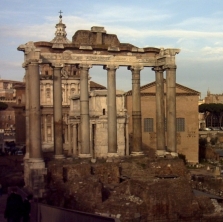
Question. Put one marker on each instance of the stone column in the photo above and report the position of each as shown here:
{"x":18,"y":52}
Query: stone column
{"x":52,"y":129}
{"x":74,"y":140}
{"x":136,"y":111}
{"x":26,"y":157}
{"x":69,"y":139}
{"x":112,"y":111}
{"x":45,"y":128}
{"x":79,"y":138}
{"x":36,"y":165}
{"x":35,"y":151}
{"x":160,"y":112}
{"x":84,"y":111}
{"x":171,"y":107}
{"x":57,"y":109}
{"x":27,"y":112}
{"x":127,"y":137}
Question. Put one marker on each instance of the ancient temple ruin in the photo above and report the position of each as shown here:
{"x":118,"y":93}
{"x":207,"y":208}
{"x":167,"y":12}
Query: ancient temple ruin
{"x":89,"y":48}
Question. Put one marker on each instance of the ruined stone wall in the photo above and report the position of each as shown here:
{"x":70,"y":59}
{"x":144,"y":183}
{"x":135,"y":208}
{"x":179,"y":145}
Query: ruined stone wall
{"x":131,"y":189}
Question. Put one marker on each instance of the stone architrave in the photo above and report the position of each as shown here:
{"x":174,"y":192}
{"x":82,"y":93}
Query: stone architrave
{"x":136,"y":111}
{"x":171,"y":107}
{"x":112,"y":111}
{"x":84,"y":111}
{"x":160,"y":111}
{"x":57,"y":110}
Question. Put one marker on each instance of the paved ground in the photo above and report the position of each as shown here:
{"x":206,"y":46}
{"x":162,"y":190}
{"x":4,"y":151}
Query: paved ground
{"x":2,"y":207}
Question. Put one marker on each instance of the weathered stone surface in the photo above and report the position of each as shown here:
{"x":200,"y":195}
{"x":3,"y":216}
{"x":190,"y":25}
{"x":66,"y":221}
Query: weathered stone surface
{"x":133,"y":189}
{"x":85,"y":37}
{"x":107,"y":173}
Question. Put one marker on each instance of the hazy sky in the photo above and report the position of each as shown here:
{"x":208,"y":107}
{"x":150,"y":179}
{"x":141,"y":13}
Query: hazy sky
{"x":194,"y":26}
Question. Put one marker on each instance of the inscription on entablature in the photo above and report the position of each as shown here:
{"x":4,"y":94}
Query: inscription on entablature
{"x":52,"y":56}
{"x":146,"y":60}
{"x":68,"y":57}
{"x":97,"y":58}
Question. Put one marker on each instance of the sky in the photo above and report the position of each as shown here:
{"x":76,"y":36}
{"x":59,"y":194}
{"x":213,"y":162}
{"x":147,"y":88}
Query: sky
{"x":193,"y":26}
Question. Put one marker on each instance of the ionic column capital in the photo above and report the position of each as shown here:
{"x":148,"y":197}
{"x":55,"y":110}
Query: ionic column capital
{"x":158,"y":69}
{"x":135,"y":68}
{"x":84,"y":66}
{"x":25,"y":65}
{"x":165,"y":67}
{"x":110,"y":67}
{"x":32,"y":61}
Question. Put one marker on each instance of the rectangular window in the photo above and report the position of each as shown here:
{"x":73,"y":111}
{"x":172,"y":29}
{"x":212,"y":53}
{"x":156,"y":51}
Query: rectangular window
{"x":148,"y":124}
{"x":180,"y":124}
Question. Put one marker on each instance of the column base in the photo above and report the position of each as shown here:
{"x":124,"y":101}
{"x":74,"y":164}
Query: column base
{"x":36,"y":163}
{"x":60,"y":156}
{"x":174,"y":154}
{"x":86,"y":155}
{"x":161,"y":153}
{"x":111,"y":157}
{"x":139,"y":153}
{"x":36,"y":173}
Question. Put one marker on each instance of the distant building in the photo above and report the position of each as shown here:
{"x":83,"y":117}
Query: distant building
{"x":207,"y":120}
{"x":98,"y":114}
{"x":12,"y":97}
{"x":70,"y":87}
{"x":213,"y":98}
{"x":187,"y":119}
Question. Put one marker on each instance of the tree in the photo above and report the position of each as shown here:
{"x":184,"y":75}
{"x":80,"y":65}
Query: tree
{"x":213,"y":111}
{"x":3,"y":106}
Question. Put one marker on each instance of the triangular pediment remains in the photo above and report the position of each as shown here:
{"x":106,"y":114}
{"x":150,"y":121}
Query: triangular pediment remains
{"x":150,"y":89}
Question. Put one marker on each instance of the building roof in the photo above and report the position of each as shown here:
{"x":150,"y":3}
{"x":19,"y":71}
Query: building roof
{"x":11,"y":81}
{"x":96,"y":85}
{"x":180,"y":89}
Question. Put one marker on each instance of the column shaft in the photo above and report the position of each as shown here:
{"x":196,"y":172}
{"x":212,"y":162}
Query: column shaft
{"x":52,"y":129}
{"x":35,"y":150}
{"x":160,"y":111}
{"x":112,"y":111}
{"x":45,"y":128}
{"x":75,"y":140}
{"x":136,"y":110}
{"x":171,"y":108}
{"x":69,"y":140}
{"x":84,"y":110}
{"x":57,"y":109}
{"x":27,"y":112}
